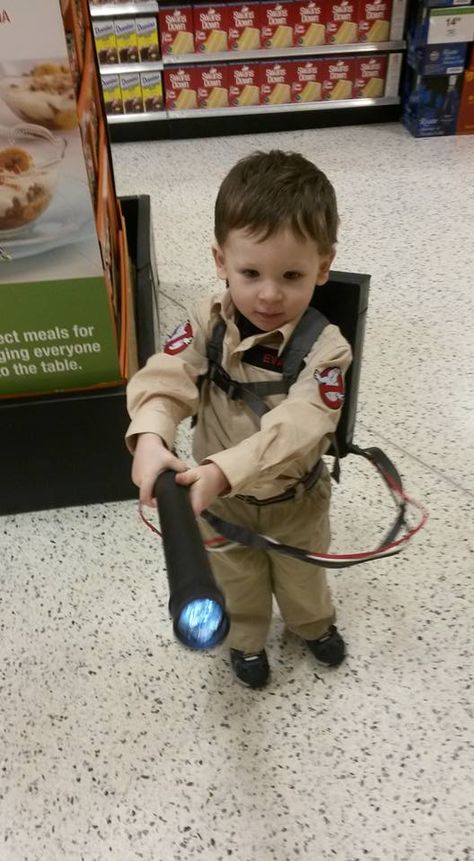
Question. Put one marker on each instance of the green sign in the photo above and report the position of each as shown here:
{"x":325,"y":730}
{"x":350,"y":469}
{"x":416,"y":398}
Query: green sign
{"x":56,"y":335}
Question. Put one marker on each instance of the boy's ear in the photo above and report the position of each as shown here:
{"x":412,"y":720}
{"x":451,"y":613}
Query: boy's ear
{"x":218,"y":255}
{"x":324,"y":268}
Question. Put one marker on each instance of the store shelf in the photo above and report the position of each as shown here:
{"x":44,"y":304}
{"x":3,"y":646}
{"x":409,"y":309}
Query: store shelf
{"x":148,"y":116}
{"x":285,"y":108}
{"x":284,"y":53}
{"x":126,"y":68}
{"x":109,"y":10}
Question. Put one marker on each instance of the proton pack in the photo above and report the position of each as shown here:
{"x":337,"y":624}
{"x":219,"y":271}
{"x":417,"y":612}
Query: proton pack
{"x":342,"y":301}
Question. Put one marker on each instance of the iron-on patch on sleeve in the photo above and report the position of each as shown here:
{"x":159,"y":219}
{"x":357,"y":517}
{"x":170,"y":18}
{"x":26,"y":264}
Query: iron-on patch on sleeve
{"x":180,"y":339}
{"x":331,"y":387}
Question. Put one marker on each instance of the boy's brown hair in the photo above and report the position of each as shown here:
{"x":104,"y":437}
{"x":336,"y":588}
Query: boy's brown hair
{"x":266,"y":192}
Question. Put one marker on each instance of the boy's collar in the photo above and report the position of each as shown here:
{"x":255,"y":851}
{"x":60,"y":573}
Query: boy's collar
{"x":229,"y":312}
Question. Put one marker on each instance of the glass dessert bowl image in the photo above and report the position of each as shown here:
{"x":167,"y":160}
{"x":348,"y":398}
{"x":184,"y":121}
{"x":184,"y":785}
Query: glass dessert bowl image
{"x":30,"y":162}
{"x":44,"y":95}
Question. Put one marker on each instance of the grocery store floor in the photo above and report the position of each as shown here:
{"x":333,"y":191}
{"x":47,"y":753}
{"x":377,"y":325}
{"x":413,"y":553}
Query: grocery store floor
{"x":118,"y":743}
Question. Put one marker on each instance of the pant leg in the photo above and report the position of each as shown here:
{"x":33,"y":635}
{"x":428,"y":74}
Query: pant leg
{"x":301,"y":589}
{"x":244,"y":577}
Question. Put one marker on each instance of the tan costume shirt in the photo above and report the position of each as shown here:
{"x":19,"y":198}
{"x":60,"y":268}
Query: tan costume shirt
{"x":259,"y":457}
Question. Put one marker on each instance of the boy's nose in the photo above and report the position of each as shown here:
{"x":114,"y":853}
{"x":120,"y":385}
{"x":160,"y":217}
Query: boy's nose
{"x":270,"y":292}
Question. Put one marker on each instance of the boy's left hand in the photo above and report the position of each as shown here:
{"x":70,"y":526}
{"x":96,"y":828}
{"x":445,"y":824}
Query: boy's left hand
{"x":207,"y":482}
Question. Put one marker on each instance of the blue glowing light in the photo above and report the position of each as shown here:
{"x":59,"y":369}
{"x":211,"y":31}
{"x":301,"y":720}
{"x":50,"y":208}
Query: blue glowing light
{"x":199,"y":623}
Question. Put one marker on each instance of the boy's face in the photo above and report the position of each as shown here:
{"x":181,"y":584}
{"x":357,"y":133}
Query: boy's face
{"x":271,"y":282}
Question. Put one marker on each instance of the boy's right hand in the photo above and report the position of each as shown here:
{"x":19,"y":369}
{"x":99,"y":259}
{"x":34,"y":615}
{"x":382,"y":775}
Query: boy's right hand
{"x":151,"y":458}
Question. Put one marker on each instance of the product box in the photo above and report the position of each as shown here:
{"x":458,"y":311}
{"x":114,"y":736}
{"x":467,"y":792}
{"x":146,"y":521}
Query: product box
{"x":152,"y":91}
{"x":374,"y":20}
{"x":341,"y":25}
{"x":210,"y":27}
{"x":244,"y":26}
{"x":212,"y":87}
{"x":308,"y":80}
{"x":431,"y":104}
{"x":112,"y":94}
{"x":438,"y":59}
{"x":369,"y":77}
{"x":277,"y":25}
{"x":339,"y":78}
{"x":465,"y":124}
{"x":181,"y":88}
{"x":244,"y":84}
{"x":132,"y":98}
{"x":147,"y":38}
{"x":276,"y":83}
{"x":177,"y":30}
{"x":310,"y":22}
{"x":126,"y":38}
{"x":105,"y":41}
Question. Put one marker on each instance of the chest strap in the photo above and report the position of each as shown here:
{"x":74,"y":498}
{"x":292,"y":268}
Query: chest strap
{"x":304,"y":336}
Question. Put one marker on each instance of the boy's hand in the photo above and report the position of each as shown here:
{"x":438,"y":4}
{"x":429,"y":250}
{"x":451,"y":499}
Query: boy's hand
{"x":150,"y":460}
{"x":207,"y":482}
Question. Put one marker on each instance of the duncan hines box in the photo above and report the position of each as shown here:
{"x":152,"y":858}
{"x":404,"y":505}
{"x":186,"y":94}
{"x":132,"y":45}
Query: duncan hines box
{"x":147,"y":37}
{"x":176,"y":30}
{"x":277,"y":25}
{"x":276,"y":82}
{"x":308,"y":80}
{"x":210,"y":27}
{"x":152,"y":91}
{"x":212,"y":87}
{"x":369,"y":77}
{"x":126,"y":36}
{"x":374,"y":20}
{"x":341,"y":26}
{"x":244,"y":84}
{"x":112,"y":94}
{"x":132,"y":93}
{"x":310,"y":22}
{"x":105,"y":41}
{"x":338,"y":78}
{"x":244,"y":23}
{"x":181,"y":88}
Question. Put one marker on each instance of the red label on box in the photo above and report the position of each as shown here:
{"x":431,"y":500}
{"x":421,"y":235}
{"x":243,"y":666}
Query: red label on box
{"x":210,"y":27}
{"x":276,"y":82}
{"x":338,"y":79}
{"x":181,"y":88}
{"x":244,"y":24}
{"x":465,"y":124}
{"x":470,"y":64}
{"x":307,"y":81}
{"x":310,"y":22}
{"x":341,"y":25}
{"x":212,"y":86}
{"x":244,"y":84}
{"x":277,"y":25}
{"x":374,"y":20}
{"x":369,"y":77}
{"x":176,"y":30}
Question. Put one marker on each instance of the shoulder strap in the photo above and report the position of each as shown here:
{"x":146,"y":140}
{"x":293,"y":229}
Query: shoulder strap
{"x":306,"y":333}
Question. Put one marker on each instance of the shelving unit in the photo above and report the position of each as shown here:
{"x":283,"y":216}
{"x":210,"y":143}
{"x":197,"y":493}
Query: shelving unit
{"x":281,"y":117}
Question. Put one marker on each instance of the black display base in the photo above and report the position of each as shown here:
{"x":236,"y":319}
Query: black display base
{"x":68,"y":449}
{"x":241,"y":124}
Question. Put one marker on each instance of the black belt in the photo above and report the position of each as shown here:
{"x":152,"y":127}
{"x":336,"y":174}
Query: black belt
{"x":305,"y":483}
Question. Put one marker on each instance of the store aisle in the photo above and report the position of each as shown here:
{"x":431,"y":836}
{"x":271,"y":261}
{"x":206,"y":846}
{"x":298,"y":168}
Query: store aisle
{"x":116,"y":742}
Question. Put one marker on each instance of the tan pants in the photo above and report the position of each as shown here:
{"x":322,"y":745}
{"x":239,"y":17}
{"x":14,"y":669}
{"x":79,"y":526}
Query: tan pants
{"x":250,"y":577}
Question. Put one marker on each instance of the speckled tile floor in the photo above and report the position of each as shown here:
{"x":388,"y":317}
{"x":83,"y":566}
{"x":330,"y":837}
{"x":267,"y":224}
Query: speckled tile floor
{"x":117,"y":743}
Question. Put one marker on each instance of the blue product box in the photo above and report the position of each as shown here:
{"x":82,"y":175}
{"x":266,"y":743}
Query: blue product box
{"x":437,"y":59}
{"x":431,"y":104}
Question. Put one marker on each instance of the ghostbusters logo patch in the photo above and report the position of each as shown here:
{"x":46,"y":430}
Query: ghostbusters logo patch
{"x":331,"y":387}
{"x":180,"y":339}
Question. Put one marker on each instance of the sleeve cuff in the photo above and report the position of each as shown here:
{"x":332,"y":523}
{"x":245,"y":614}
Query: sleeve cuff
{"x":151,"y":422}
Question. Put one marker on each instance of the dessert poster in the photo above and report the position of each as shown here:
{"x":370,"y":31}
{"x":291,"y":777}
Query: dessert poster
{"x":51,"y":273}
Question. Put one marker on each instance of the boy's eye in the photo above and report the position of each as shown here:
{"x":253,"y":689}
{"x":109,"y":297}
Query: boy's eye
{"x":292,"y":275}
{"x":250,"y":273}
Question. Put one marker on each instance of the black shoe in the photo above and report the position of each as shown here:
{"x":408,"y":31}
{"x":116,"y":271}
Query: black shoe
{"x":330,"y":649}
{"x":251,"y":670}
